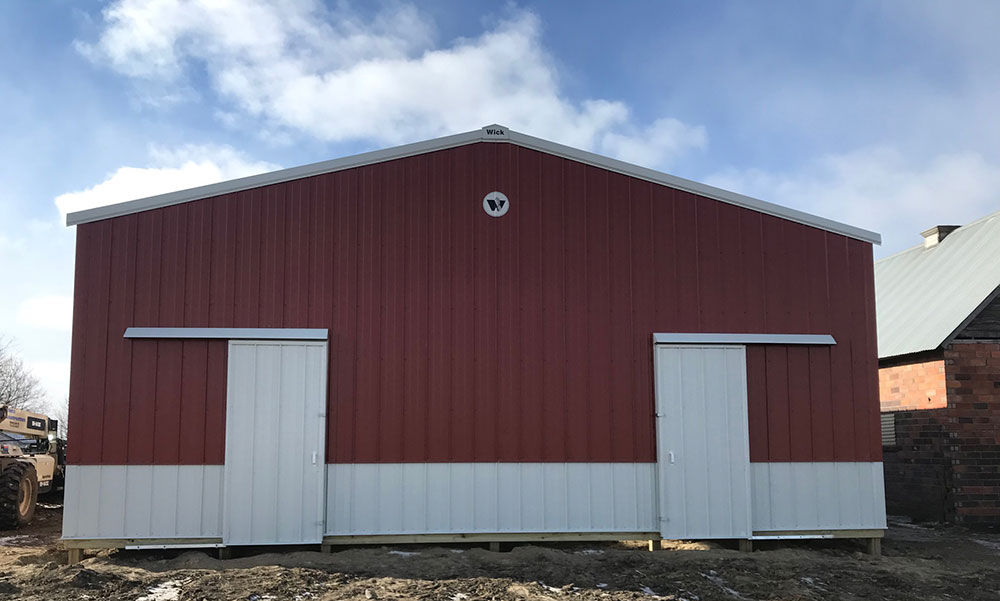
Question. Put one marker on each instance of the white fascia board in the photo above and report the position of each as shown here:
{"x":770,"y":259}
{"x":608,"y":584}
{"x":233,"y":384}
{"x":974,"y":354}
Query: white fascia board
{"x":687,"y":185}
{"x":231,"y":333}
{"x":698,"y":338}
{"x":489,"y":133}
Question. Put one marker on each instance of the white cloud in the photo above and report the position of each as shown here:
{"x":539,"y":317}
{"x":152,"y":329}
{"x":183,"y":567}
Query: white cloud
{"x":36,"y":256}
{"x":664,"y":139}
{"x":35,"y":307}
{"x":879,"y":188}
{"x":54,"y":376}
{"x":330,"y":74}
{"x":174,"y":169}
{"x":49,"y":312}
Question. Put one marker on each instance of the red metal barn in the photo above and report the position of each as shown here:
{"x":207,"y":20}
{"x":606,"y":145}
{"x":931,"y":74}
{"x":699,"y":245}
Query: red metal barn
{"x":485,"y":336}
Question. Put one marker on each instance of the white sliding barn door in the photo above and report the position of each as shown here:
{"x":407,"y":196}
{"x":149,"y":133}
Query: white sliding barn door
{"x":275,"y":431}
{"x":702,"y":441}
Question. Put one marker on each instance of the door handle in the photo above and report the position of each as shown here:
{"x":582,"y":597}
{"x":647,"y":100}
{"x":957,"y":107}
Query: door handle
{"x":314,"y":458}
{"x":670,"y":456}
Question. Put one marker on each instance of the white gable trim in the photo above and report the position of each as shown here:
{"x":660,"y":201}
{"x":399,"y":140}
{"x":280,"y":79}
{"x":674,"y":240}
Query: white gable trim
{"x":713,"y":338}
{"x":490,"y":133}
{"x":230,"y":333}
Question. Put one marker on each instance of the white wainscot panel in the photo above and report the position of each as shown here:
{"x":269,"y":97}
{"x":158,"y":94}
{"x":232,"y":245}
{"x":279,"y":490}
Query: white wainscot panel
{"x":143,"y":501}
{"x":452,"y":498}
{"x":818,"y":496}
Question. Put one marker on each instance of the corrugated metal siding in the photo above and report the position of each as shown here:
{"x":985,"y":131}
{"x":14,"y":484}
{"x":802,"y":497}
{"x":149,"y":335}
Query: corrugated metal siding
{"x":164,"y":501}
{"x":437,"y":498}
{"x":169,"y":409}
{"x":459,"y":337}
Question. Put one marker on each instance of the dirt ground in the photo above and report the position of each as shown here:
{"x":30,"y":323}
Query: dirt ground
{"x":919,"y":562}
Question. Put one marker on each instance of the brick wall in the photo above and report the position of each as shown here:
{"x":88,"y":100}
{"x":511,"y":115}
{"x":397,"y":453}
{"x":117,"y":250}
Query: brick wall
{"x":912,"y":386}
{"x":973,"y":383}
{"x":918,"y":467}
{"x":946,"y":461}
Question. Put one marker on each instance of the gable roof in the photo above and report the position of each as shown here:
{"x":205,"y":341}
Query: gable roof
{"x":925,"y":296}
{"x":490,"y":133}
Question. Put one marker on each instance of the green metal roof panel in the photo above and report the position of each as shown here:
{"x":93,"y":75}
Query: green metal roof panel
{"x":923,"y":295}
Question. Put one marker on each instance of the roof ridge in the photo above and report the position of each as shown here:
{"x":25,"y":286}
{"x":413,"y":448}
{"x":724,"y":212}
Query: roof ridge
{"x":920,"y":246}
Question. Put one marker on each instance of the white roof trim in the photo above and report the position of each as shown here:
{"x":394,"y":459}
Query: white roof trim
{"x":694,"y":338}
{"x":490,"y":133}
{"x":230,"y":333}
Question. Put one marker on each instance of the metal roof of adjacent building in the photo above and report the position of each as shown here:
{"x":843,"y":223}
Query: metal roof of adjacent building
{"x":924,"y":296}
{"x":489,"y":133}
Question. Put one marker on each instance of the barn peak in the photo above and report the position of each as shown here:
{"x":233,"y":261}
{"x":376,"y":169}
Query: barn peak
{"x":494,"y":133}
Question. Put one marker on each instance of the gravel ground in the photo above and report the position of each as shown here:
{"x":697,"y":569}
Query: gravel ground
{"x":919,"y":562}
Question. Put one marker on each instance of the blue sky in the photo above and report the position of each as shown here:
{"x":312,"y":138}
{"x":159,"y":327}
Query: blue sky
{"x":878,"y":114}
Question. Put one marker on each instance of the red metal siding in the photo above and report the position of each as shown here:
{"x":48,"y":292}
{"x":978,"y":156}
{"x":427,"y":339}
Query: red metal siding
{"x":459,"y":337}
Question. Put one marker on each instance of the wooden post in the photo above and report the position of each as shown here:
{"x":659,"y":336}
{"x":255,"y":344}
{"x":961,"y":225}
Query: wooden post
{"x":746,"y":545}
{"x":74,"y":556}
{"x":225,"y":552}
{"x":495,"y":547}
{"x":874,"y":546}
{"x":655,"y":544}
{"x":326,"y":548}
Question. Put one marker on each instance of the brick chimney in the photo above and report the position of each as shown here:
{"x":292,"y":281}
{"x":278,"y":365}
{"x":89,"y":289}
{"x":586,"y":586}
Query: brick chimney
{"x":937,"y":234}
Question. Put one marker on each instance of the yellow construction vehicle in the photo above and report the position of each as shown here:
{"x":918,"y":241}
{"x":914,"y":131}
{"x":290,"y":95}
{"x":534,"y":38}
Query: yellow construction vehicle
{"x":32,"y":462}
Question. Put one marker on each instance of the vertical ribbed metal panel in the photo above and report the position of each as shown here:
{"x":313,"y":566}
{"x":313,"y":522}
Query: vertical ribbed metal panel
{"x":702,"y":447}
{"x":274,"y":475}
{"x":438,"y":498}
{"x":818,"y":496}
{"x":143,"y":501}
{"x":460,"y":337}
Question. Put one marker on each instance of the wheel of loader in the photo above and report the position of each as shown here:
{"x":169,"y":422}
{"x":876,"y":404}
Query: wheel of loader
{"x":18,"y":495}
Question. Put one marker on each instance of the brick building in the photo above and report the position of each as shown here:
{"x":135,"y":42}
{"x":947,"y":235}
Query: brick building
{"x":938,"y":307}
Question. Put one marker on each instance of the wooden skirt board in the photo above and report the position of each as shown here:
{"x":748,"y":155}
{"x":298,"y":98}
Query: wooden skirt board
{"x":703,"y":450}
{"x":275,"y":487}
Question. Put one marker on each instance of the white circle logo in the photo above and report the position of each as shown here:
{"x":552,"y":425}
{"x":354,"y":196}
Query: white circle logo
{"x":496,"y":204}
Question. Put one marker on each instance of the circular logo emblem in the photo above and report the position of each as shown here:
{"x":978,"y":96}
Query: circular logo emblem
{"x":496,"y":204}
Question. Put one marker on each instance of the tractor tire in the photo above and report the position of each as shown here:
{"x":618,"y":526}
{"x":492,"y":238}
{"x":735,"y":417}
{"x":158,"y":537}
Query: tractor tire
{"x":18,"y":495}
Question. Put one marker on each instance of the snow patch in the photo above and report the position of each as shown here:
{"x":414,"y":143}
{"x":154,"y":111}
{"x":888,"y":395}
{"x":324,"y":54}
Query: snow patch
{"x":812,"y":583}
{"x":989,"y":544}
{"x":719,"y":582}
{"x":590,"y":552}
{"x":13,"y":541}
{"x":165,"y":591}
{"x":403,"y":553}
